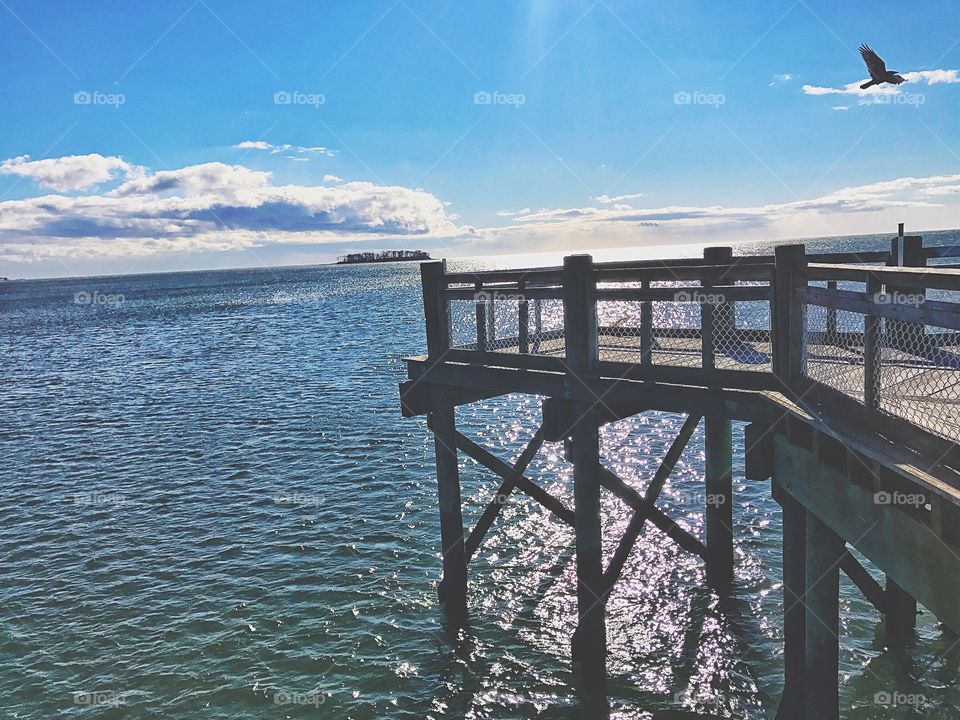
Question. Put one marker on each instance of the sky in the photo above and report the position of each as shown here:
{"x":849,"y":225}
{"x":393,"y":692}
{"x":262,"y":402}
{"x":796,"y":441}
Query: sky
{"x":195,"y":134}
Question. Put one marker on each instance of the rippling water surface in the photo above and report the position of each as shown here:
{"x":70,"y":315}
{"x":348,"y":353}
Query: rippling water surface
{"x":212,"y":508}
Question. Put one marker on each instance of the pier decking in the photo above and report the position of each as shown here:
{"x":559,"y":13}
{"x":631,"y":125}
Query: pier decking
{"x":846,"y":368}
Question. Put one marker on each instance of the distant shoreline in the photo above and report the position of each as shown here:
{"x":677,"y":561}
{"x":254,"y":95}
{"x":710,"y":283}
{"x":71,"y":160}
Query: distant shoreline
{"x":382,"y":257}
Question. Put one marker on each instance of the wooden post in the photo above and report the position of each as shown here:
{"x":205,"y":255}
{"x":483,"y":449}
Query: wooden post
{"x":491,"y":320}
{"x":719,"y":502}
{"x":871,"y":349}
{"x":436,"y":310}
{"x":821,"y":690}
{"x":718,"y":441}
{"x":787,"y":315}
{"x":646,"y":328}
{"x":537,"y":324}
{"x":794,"y":611}
{"x":901,"y":613}
{"x":905,"y":251}
{"x":721,"y":314}
{"x":453,"y":586}
{"x":523,"y":319}
{"x":589,"y":644}
{"x":831,"y":316}
{"x":480,"y":297}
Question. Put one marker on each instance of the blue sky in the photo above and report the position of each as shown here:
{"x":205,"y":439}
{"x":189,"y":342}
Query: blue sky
{"x":193,"y":134}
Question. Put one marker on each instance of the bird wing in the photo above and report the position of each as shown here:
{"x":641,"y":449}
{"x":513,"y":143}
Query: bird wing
{"x":875,"y":65}
{"x":896,"y":80}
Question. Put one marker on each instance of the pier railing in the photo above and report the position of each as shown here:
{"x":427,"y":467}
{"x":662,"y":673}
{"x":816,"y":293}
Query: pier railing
{"x":846,"y":329}
{"x":887,"y":338}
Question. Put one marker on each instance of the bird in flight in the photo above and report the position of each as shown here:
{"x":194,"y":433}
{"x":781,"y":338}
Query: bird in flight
{"x":878,"y":69}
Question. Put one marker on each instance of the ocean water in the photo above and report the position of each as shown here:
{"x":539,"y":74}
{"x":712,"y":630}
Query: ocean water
{"x":213,"y":509}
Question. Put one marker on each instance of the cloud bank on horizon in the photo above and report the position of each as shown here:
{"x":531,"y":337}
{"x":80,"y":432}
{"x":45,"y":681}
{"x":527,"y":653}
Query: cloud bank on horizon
{"x":205,"y":207}
{"x":215,"y":206}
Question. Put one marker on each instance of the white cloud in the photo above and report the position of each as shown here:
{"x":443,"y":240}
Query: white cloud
{"x":213,"y":206}
{"x":68,"y":173}
{"x":850,"y":210}
{"x":840,"y":107}
{"x":332,"y":178}
{"x":196,"y":180}
{"x":607,"y":200}
{"x":928,"y":77}
{"x":277,"y":149}
{"x":781,"y":78}
{"x":253,"y":145}
{"x":943,"y":190}
{"x":934,"y":77}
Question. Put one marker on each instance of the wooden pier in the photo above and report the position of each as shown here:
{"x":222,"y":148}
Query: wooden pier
{"x":844,"y":367}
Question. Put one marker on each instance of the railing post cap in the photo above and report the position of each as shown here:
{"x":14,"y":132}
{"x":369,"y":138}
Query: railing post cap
{"x":789,"y":251}
{"x":718,"y":252}
{"x":578,"y":259}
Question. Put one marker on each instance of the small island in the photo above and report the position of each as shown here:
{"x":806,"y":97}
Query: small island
{"x":383,"y":256}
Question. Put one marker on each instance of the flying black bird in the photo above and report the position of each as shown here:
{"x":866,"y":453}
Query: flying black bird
{"x":878,"y":70}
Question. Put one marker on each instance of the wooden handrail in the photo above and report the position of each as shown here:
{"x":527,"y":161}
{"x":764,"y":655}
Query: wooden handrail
{"x":927,"y":277}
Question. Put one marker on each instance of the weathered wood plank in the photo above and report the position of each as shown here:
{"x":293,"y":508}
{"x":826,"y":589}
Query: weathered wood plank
{"x":736,"y":404}
{"x":928,"y":312}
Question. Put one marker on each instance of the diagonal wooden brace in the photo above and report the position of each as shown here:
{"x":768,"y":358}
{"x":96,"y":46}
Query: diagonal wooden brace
{"x":635,"y":500}
{"x":639,"y":518}
{"x":500,"y":499}
{"x":498,"y":466}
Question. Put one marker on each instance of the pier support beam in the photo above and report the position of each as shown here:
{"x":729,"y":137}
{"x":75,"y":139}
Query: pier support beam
{"x":719,"y":503}
{"x":589,"y":646}
{"x":901,"y":612}
{"x":718,"y":331}
{"x":821,"y":690}
{"x":794,"y":612}
{"x":453,"y":586}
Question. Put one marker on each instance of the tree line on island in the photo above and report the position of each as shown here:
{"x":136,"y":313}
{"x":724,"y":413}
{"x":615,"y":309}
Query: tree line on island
{"x":382,"y":256}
